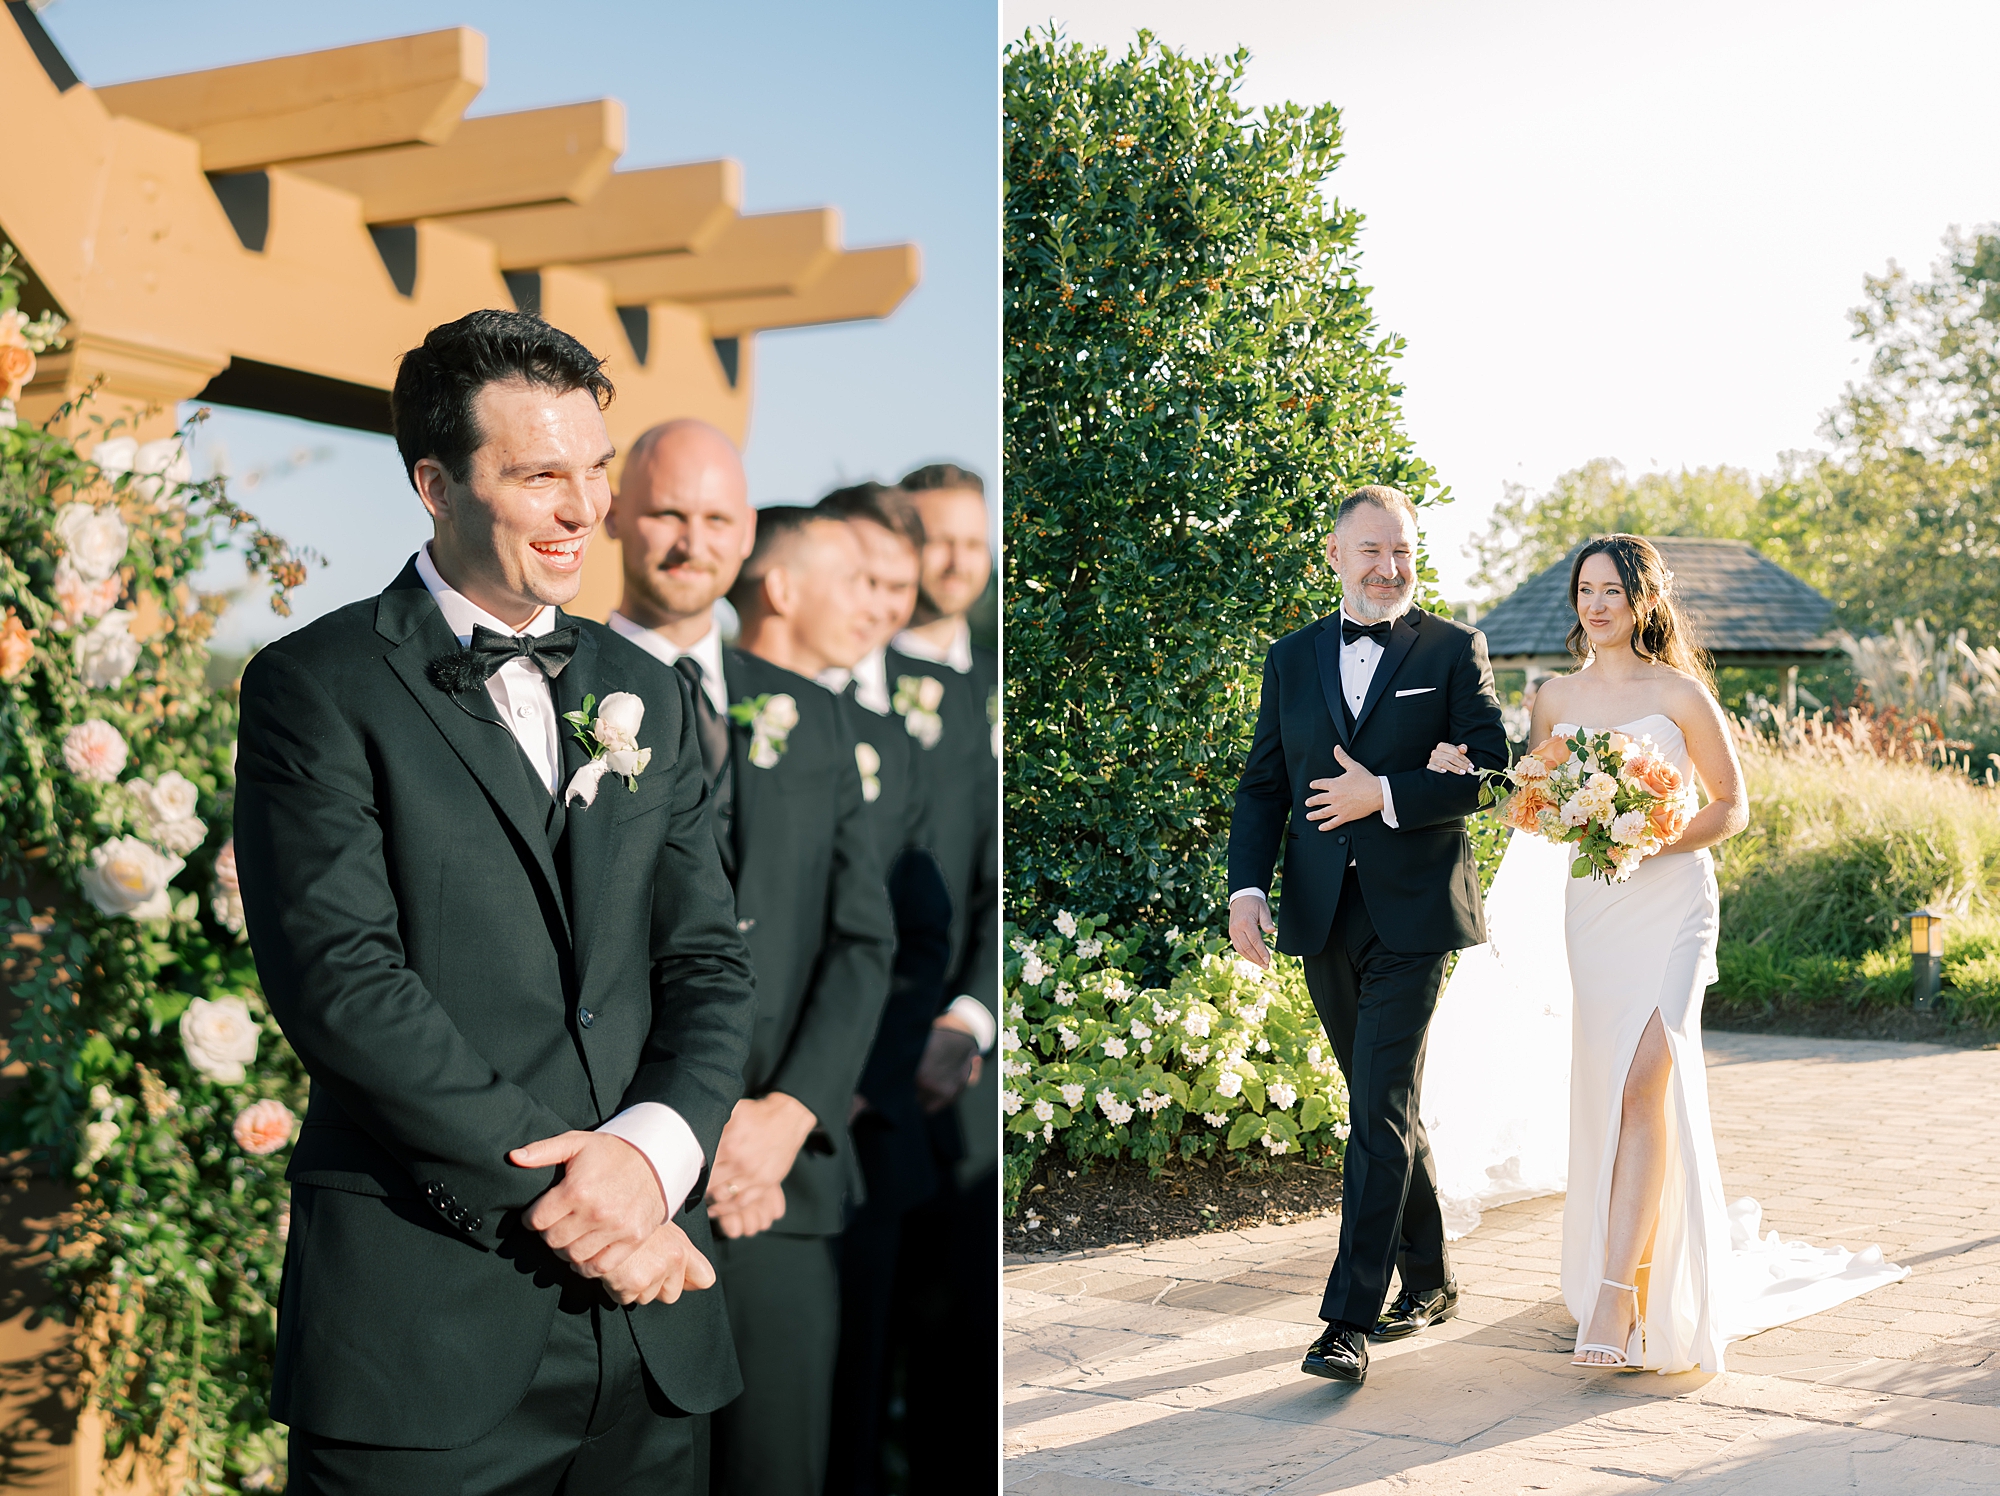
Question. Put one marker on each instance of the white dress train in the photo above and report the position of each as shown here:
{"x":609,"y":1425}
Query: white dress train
{"x":1635,"y":948}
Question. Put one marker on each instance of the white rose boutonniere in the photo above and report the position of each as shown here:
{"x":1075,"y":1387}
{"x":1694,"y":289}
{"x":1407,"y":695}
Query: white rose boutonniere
{"x":869,"y":762}
{"x":916,"y":702}
{"x":613,"y":741}
{"x":220,"y":1038}
{"x":770,"y":719}
{"x":106,"y":655}
{"x":128,"y":877}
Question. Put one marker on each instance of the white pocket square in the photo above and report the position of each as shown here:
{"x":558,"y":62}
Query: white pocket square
{"x":1416,"y":690}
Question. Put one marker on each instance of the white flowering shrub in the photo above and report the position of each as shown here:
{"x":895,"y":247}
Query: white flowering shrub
{"x":1223,"y":1059}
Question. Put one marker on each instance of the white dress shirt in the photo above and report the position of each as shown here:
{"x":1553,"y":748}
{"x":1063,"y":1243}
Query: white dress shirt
{"x":870,"y":678}
{"x":705,"y":651}
{"x":528,"y":707}
{"x":958,"y":654}
{"x":1357,"y":672}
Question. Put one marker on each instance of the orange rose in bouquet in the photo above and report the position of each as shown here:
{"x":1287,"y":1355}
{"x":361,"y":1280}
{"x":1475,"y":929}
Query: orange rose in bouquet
{"x":17,"y":359}
{"x":1613,"y":799}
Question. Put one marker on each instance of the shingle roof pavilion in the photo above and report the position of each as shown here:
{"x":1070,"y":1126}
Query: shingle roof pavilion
{"x":1742,"y":608}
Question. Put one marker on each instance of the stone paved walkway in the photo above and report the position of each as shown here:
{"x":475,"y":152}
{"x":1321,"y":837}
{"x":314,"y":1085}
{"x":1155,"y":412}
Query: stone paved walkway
{"x":1175,"y":1367}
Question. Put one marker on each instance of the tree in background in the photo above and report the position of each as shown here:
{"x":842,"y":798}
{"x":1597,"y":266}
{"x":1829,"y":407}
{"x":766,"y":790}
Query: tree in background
{"x":1192,"y":378}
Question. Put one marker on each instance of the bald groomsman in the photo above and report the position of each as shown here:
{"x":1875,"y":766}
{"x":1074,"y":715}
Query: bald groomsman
{"x":790,"y":825}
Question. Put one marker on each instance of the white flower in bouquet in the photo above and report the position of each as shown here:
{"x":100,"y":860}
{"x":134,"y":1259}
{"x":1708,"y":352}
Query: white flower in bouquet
{"x":220,"y":1038}
{"x":128,"y":877}
{"x":1045,"y":1110}
{"x":1281,"y":1095}
{"x":95,"y":751}
{"x":1072,"y":1095}
{"x":156,"y":466}
{"x":94,"y":540}
{"x":1117,"y":1112}
{"x":1010,"y":1102}
{"x":1066,"y":925}
{"x":169,"y":803}
{"x":1229,"y":1083}
{"x":1576,"y":811}
{"x":106,"y":655}
{"x":1628,"y":829}
{"x":1115,"y":1048}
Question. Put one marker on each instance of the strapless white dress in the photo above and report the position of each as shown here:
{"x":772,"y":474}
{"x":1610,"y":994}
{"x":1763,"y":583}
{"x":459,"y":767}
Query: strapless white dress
{"x":1634,"y":948}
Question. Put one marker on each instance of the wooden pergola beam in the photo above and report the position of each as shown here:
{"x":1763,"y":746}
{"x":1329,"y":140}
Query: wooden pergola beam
{"x":662,"y":210}
{"x":409,"y":90}
{"x":766,"y":254}
{"x":555,"y":155}
{"x":860,"y":283}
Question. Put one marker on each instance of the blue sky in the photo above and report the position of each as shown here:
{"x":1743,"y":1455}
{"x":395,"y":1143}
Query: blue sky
{"x":886,"y":109}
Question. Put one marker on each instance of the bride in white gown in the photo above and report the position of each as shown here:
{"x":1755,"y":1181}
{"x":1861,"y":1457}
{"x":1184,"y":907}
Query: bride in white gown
{"x":1657,"y":1271}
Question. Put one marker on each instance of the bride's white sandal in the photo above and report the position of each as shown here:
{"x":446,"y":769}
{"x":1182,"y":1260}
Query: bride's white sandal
{"x":1634,"y":1353}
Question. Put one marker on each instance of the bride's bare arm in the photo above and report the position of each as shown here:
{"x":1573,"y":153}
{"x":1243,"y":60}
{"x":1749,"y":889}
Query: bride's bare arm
{"x":1701,"y":722}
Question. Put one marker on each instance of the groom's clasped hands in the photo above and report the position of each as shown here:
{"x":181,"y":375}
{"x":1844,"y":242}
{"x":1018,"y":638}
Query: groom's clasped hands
{"x":607,"y":1218}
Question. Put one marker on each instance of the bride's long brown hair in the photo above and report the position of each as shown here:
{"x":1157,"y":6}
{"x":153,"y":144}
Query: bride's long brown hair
{"x":1659,"y":629}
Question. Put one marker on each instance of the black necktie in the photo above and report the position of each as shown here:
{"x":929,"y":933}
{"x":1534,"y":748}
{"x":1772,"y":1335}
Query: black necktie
{"x":1379,"y":632}
{"x":548,"y":652}
{"x":708,"y":724}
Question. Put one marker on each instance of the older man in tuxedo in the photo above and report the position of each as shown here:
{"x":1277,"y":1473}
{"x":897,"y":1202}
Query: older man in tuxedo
{"x":793,"y":835}
{"x":525,"y":1010}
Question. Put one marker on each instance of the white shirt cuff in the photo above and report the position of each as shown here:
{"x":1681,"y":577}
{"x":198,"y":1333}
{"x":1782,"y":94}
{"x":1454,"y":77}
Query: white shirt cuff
{"x":1388,"y":804}
{"x":662,"y":1134}
{"x":1244,"y":893}
{"x":971,"y":1012}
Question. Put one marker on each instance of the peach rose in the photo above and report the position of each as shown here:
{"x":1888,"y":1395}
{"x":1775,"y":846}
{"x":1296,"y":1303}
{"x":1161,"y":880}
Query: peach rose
{"x":17,"y":646}
{"x":1654,"y":775}
{"x":263,"y":1127}
{"x":1553,"y":751}
{"x":1669,"y":819}
{"x":82,"y":601}
{"x":95,"y":751}
{"x":17,"y":367}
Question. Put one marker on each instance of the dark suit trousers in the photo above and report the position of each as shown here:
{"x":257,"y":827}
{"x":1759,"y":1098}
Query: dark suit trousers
{"x":592,"y":1423}
{"x":784,"y":1309}
{"x":1376,"y":1007}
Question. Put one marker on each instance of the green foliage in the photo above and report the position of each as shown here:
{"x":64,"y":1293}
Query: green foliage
{"x":1192,"y":379}
{"x":168,"y":1262}
{"x":1223,"y":1058}
{"x":1841,"y":844}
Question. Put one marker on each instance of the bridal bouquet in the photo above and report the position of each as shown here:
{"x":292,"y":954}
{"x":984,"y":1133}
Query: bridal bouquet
{"x":1612,"y":797}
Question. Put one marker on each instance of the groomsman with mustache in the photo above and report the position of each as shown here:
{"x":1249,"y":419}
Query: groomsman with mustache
{"x":791,"y":829}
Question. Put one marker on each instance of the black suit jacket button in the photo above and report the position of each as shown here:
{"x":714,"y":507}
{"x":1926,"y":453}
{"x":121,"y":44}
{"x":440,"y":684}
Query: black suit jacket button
{"x":1341,"y":839}
{"x":585,"y":1017}
{"x":434,"y":1192}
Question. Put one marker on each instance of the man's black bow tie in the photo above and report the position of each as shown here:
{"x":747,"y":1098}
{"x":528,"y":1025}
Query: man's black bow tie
{"x":1379,"y":632}
{"x":549,"y":652}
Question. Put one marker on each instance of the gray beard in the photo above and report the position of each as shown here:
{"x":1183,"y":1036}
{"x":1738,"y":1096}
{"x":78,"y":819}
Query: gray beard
{"x":1358,"y":606}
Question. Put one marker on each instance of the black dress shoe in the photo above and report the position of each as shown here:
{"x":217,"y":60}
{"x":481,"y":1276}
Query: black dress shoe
{"x":1340,"y":1353}
{"x":1416,"y":1311}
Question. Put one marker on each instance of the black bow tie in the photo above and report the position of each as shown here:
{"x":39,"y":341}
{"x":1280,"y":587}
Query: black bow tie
{"x":548,"y":652}
{"x":1379,"y":632}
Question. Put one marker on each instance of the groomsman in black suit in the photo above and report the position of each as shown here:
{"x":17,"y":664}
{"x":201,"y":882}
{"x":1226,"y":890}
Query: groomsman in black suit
{"x":947,"y":1294}
{"x":525,"y":1010}
{"x":790,"y":824}
{"x":892,"y":1138}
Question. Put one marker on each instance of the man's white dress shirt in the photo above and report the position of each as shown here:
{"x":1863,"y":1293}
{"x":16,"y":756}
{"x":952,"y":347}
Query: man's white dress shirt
{"x":1357,"y":672}
{"x":957,"y":654}
{"x":870,"y":678}
{"x":528,"y":707}
{"x":705,"y":651}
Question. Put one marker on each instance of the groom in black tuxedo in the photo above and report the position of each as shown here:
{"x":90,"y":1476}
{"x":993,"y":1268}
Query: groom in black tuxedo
{"x":1380,"y":887}
{"x":525,"y":1010}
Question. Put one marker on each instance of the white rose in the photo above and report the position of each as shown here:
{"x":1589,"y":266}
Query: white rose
{"x":628,"y":762}
{"x":106,"y":655}
{"x":96,"y":540}
{"x":763,"y":753}
{"x":171,"y":797}
{"x":220,"y":1038}
{"x":617,"y":725}
{"x":781,"y":712}
{"x":128,"y":877}
{"x":930,"y":691}
{"x":159,"y":466}
{"x":114,"y":457}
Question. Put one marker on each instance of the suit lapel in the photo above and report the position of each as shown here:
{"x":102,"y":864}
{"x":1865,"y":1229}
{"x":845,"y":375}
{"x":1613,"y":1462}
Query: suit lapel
{"x":587,"y":831}
{"x":1401,"y":639}
{"x":743,"y":807}
{"x":1327,"y":648}
{"x":469,"y":723}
